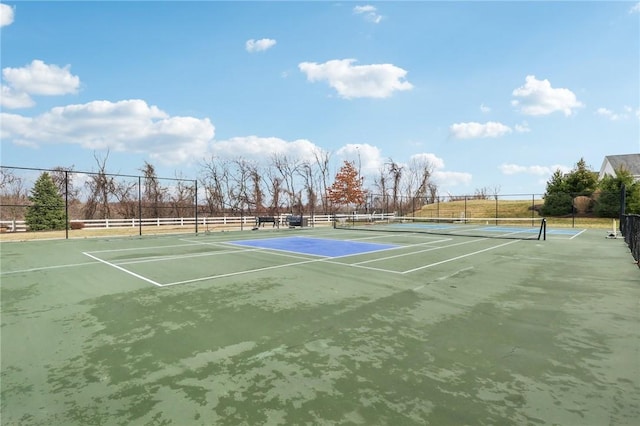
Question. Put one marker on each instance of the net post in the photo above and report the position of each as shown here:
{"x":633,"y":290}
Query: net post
{"x":542,"y":234}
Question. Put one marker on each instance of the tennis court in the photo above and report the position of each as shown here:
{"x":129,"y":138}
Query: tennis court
{"x":322,"y":326}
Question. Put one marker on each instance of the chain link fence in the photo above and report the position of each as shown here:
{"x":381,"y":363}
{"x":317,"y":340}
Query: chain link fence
{"x":116,"y":204}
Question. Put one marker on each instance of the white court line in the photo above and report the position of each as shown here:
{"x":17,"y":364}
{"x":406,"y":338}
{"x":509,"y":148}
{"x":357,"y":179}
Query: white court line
{"x":140,"y":248}
{"x":44,"y":268}
{"x":330,"y":260}
{"x":279,"y":253}
{"x":460,"y":257}
{"x":573,"y":236}
{"x":123,"y":270}
{"x":421,"y":251}
{"x":179,"y":256}
{"x":296,"y":255}
{"x":231,"y":274}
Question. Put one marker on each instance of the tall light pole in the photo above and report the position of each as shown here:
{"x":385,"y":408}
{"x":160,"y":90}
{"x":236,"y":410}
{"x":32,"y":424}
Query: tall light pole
{"x":359,"y":163}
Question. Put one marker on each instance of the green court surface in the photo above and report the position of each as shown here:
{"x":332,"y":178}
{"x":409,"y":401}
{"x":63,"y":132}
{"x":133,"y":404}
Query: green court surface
{"x":320,"y":326}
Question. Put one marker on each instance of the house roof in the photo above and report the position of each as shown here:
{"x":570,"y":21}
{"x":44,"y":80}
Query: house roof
{"x":630,"y":162}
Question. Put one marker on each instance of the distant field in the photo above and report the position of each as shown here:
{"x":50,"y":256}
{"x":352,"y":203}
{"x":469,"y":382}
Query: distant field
{"x":506,"y":209}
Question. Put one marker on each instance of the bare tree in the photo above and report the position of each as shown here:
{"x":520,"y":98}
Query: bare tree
{"x":239,"y":192}
{"x":308,"y":175}
{"x":395,"y":171}
{"x":257,"y":191}
{"x":322,"y":161}
{"x":13,"y":195}
{"x":128,"y":203}
{"x":495,"y":191}
{"x":154,"y":194}
{"x":215,"y":181}
{"x":418,"y":179}
{"x":183,"y":197}
{"x":274,"y":188}
{"x":381,"y":201}
{"x":100,"y":187}
{"x":64,"y":179}
{"x":288,"y":169}
{"x":432,"y":193}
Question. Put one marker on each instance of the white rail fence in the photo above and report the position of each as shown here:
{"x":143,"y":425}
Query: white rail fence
{"x":204,"y":221}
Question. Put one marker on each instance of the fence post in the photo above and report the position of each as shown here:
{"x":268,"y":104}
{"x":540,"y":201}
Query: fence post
{"x":533,"y":208}
{"x":66,"y":204}
{"x":139,"y":205}
{"x":465,"y":209}
{"x":196,"y":199}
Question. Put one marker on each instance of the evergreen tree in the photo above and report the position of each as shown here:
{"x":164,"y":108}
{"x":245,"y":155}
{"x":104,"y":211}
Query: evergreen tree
{"x":562,"y":187}
{"x":581,"y":180}
{"x":557,"y":200}
{"x":46,"y":211}
{"x":608,"y":199}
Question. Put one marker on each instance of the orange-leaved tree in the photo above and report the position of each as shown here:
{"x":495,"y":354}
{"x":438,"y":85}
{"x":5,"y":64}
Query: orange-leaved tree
{"x":347,"y":187}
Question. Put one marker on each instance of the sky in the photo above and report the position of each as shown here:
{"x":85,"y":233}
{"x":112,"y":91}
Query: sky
{"x":494,"y":95}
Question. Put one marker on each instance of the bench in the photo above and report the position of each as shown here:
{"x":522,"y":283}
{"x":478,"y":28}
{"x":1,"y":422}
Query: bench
{"x":261,"y":220}
{"x":300,"y":221}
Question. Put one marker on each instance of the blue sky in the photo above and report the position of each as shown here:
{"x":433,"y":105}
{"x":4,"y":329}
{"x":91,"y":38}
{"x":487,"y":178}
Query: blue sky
{"x":492,"y":94}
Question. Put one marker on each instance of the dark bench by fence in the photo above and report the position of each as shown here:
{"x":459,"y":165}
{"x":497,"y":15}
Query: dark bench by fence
{"x":261,"y":220}
{"x":297,"y":221}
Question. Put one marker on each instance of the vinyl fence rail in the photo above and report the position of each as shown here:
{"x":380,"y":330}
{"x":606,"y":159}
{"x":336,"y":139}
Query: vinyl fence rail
{"x":223,"y":221}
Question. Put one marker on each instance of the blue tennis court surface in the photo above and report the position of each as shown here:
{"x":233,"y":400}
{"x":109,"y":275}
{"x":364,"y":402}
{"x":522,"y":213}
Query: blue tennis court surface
{"x":315,"y":246}
{"x":513,"y":230}
{"x":423,"y":225}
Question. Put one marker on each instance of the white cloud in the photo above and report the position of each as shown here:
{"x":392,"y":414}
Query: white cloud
{"x":358,"y":81}
{"x":6,"y":15}
{"x":513,"y":169}
{"x":635,"y":8}
{"x":36,"y":78}
{"x":523,"y":128}
{"x":370,"y":13}
{"x":485,"y":109}
{"x":127,"y":126}
{"x":604,"y":112}
{"x":449,"y":179}
{"x":537,"y":97}
{"x":11,"y":99}
{"x":615,"y":116}
{"x":367,"y":157}
{"x":435,"y":161}
{"x":473,"y":130}
{"x":259,"y":45}
{"x":39,"y":78}
{"x":261,"y":148}
{"x":371,"y":162}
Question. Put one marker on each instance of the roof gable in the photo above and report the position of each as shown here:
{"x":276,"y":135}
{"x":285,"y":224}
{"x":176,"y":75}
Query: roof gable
{"x":630,"y":162}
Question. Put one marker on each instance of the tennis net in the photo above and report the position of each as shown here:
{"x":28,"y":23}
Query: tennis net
{"x":503,"y":228}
